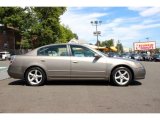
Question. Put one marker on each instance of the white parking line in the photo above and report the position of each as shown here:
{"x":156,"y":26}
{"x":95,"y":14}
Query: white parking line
{"x":3,"y":73}
{"x":3,"y":69}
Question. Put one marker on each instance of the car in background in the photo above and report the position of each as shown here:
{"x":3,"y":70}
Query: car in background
{"x":4,"y":55}
{"x":113,"y":54}
{"x":156,"y":57}
{"x":126,"y":55}
{"x":146,"y":57}
{"x":137,"y":57}
{"x":73,"y":62}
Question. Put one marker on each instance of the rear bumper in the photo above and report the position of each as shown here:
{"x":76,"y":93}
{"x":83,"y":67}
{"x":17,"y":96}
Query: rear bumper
{"x":15,"y":72}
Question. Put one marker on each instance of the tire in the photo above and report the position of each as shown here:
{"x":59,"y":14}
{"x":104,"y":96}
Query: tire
{"x":35,"y":76}
{"x":122,"y":76}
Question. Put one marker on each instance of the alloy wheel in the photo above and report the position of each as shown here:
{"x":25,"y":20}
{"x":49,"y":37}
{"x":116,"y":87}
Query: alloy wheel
{"x":35,"y":76}
{"x":122,"y":77}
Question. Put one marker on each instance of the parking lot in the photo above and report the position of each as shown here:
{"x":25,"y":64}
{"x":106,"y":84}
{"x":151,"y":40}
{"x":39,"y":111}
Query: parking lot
{"x":74,"y":96}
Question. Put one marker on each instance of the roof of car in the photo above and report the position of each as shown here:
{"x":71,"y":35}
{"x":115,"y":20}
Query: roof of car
{"x":33,"y":52}
{"x":62,"y":44}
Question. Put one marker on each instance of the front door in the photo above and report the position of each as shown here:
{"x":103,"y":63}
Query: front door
{"x":85,"y":65}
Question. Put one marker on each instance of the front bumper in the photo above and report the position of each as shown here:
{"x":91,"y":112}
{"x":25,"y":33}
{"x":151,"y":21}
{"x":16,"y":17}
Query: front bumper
{"x":139,"y":73}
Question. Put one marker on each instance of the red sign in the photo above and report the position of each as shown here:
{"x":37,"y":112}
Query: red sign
{"x":144,"y":45}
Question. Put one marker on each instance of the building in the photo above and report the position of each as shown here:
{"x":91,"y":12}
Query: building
{"x":9,"y":39}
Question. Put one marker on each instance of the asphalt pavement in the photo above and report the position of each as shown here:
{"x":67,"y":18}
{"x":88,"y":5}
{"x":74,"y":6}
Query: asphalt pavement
{"x":75,"y":96}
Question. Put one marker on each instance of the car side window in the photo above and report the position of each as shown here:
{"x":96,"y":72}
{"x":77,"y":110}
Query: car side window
{"x":80,"y":51}
{"x":55,"y":50}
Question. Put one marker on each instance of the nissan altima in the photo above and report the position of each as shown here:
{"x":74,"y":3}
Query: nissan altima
{"x":73,"y":62}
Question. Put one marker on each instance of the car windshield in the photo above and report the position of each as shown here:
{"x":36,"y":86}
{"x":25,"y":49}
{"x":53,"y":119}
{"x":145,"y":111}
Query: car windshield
{"x":158,"y":55}
{"x":125,"y":55}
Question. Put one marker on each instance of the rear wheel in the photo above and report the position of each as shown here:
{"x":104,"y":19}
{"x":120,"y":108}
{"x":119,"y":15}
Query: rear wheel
{"x":35,"y":76}
{"x":121,"y":76}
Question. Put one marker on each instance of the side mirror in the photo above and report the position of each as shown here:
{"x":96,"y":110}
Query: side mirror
{"x":97,"y":56}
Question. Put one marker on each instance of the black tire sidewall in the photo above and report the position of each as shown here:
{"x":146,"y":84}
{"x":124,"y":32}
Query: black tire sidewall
{"x":122,"y":68}
{"x":43,"y":76}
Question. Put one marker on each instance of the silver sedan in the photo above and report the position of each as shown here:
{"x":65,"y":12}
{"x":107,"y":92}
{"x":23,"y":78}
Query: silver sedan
{"x":73,"y":61}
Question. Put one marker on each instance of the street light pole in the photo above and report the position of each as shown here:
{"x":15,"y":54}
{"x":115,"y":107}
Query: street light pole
{"x":97,"y":33}
{"x":147,"y":38}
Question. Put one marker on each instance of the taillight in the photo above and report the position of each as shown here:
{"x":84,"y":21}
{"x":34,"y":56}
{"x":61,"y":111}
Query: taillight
{"x":12,"y":59}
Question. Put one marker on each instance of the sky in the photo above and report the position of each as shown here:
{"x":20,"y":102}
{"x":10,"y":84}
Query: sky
{"x":126,"y":24}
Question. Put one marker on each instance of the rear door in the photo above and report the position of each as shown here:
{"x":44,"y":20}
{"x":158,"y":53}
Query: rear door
{"x":56,"y":60}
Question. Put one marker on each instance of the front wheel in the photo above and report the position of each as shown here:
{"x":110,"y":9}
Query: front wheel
{"x":121,"y":76}
{"x":35,"y":76}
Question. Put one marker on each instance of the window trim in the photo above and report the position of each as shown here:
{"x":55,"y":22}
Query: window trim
{"x":53,"y":46}
{"x":70,"y":50}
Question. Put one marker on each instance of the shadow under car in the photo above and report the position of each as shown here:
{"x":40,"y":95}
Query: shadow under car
{"x":75,"y":82}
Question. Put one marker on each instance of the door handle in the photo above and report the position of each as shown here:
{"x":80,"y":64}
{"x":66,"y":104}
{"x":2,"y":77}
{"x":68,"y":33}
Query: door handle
{"x":75,"y":61}
{"x":43,"y":61}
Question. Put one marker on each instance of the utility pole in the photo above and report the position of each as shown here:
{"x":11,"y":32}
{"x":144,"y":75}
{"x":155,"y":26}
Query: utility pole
{"x":96,"y":33}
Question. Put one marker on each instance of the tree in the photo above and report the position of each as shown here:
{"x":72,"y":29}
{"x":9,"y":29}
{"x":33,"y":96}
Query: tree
{"x":108,"y":43}
{"x":75,"y":36}
{"x":66,"y":34}
{"x":48,"y":29}
{"x":15,"y":17}
{"x":11,"y":16}
{"x":157,"y":50}
{"x":119,"y":47}
{"x":39,"y":23}
{"x":25,"y":44}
